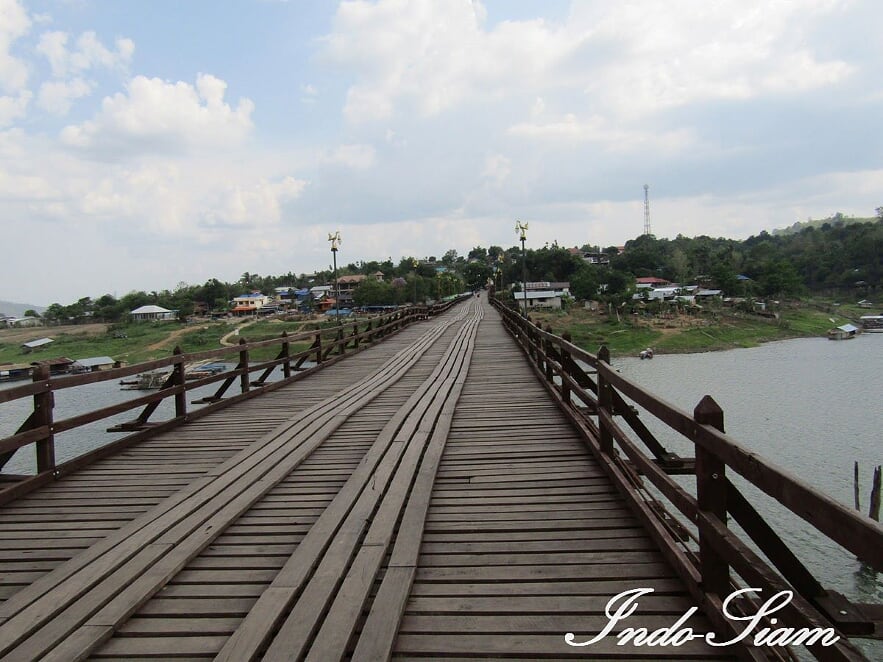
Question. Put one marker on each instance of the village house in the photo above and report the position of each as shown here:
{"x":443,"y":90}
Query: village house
{"x":33,"y":345}
{"x":151,"y":313}
{"x":95,"y":364}
{"x":249,"y":304}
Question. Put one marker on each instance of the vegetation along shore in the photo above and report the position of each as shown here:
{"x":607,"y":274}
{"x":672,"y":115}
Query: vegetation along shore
{"x":673,"y":295}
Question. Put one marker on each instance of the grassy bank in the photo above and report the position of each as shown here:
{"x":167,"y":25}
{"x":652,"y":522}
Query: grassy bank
{"x":712,"y":330}
{"x":138,"y":342}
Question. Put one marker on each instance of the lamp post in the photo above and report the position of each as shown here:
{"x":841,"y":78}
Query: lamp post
{"x":521,"y":229}
{"x":414,"y":264}
{"x":335,"y":240}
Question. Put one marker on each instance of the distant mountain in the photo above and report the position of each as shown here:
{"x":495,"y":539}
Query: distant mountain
{"x":819,"y":222}
{"x":18,"y":309}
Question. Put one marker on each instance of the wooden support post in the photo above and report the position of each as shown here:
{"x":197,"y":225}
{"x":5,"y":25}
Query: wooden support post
{"x":855,"y":487}
{"x":341,"y":343}
{"x":565,"y":363}
{"x":44,"y":403}
{"x":243,"y":365}
{"x":874,"y":512}
{"x":286,"y":354}
{"x":178,"y":380}
{"x":549,"y":350}
{"x":318,"y":345}
{"x":605,"y":402}
{"x":711,"y":497}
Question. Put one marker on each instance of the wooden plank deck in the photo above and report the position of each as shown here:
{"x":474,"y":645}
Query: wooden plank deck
{"x":424,"y":498}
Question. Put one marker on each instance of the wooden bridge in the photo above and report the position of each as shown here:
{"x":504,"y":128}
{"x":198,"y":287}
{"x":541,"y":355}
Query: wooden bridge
{"x":422,"y":491}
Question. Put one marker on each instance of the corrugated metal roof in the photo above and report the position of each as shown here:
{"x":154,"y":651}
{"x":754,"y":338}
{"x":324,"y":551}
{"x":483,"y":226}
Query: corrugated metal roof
{"x":37,"y":343}
{"x":849,"y":328}
{"x":146,"y":310}
{"x":95,"y":361}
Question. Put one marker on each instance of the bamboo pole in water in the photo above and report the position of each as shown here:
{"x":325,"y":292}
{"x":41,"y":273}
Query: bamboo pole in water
{"x":855,"y":487}
{"x":874,"y":512}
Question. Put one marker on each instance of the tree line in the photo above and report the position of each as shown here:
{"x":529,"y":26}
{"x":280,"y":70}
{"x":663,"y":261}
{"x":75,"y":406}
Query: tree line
{"x":835,"y":256}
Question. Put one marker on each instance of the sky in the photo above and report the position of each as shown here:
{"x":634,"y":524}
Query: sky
{"x":148,"y":144}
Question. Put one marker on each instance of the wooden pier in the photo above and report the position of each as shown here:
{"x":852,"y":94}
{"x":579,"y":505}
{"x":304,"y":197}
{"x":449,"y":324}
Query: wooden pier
{"x":460,"y":487}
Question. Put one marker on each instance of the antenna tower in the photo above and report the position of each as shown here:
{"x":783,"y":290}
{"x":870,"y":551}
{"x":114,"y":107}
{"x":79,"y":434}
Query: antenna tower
{"x":647,"y":209}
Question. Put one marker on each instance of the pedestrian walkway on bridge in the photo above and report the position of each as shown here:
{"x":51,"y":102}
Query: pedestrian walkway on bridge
{"x":423,"y":498}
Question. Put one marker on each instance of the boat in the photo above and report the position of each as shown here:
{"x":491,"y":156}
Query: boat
{"x":646,"y":353}
{"x":204,"y":370}
{"x":872,"y":323}
{"x":146,"y":381}
{"x":844,"y":332}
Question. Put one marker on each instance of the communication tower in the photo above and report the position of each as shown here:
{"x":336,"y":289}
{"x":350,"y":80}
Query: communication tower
{"x":647,"y":209}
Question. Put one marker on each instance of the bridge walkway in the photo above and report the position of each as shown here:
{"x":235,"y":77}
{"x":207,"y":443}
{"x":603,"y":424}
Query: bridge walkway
{"x":424,"y":498}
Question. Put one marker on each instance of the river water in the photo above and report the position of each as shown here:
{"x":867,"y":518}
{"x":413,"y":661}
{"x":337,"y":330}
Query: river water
{"x":811,"y":406}
{"x":73,"y":401}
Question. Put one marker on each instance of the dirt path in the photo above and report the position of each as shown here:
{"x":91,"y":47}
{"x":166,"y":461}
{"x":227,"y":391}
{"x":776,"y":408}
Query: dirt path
{"x":225,"y":339}
{"x":174,"y":335}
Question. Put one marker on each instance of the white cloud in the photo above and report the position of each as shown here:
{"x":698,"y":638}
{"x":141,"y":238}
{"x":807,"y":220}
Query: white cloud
{"x":680,"y":52}
{"x":634,"y":58}
{"x":496,"y":169}
{"x":56,"y":96}
{"x":570,"y":130}
{"x":158,"y":116}
{"x":14,"y":24}
{"x":256,"y":205}
{"x":357,"y":157}
{"x":12,"y":108}
{"x":89,"y":53}
{"x":432,"y":55}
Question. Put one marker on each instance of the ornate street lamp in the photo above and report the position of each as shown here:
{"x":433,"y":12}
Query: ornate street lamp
{"x":521,"y":229}
{"x":335,"y":240}
{"x":415,"y":264}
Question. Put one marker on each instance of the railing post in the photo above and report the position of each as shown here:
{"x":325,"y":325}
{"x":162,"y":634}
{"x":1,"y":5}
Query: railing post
{"x":286,"y":354}
{"x":318,"y":344}
{"x":711,"y":497}
{"x":605,"y":402}
{"x":547,"y":348}
{"x":44,"y":403}
{"x":565,"y":356}
{"x":178,"y":379}
{"x":243,"y":365}
{"x":528,"y":337}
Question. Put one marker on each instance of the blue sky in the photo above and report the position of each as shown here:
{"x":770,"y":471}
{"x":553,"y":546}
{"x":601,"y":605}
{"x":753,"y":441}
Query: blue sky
{"x":145,"y":144}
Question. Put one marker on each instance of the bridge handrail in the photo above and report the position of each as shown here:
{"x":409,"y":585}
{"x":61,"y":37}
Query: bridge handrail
{"x":595,"y":399}
{"x":328,"y":345}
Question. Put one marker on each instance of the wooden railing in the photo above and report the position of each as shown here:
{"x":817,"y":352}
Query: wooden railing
{"x":328,"y":345}
{"x":712,"y":558}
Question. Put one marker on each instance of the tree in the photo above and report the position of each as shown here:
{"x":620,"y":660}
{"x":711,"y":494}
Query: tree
{"x":478,"y":253}
{"x":372,"y":292}
{"x":476,"y":275}
{"x":584,"y":283}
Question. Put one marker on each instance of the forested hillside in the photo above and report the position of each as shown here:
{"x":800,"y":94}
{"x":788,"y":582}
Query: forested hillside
{"x":837,"y":256}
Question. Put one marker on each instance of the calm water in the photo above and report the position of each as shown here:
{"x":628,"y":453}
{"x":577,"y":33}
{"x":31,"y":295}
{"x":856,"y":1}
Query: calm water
{"x":74,"y":401}
{"x":809,"y":405}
